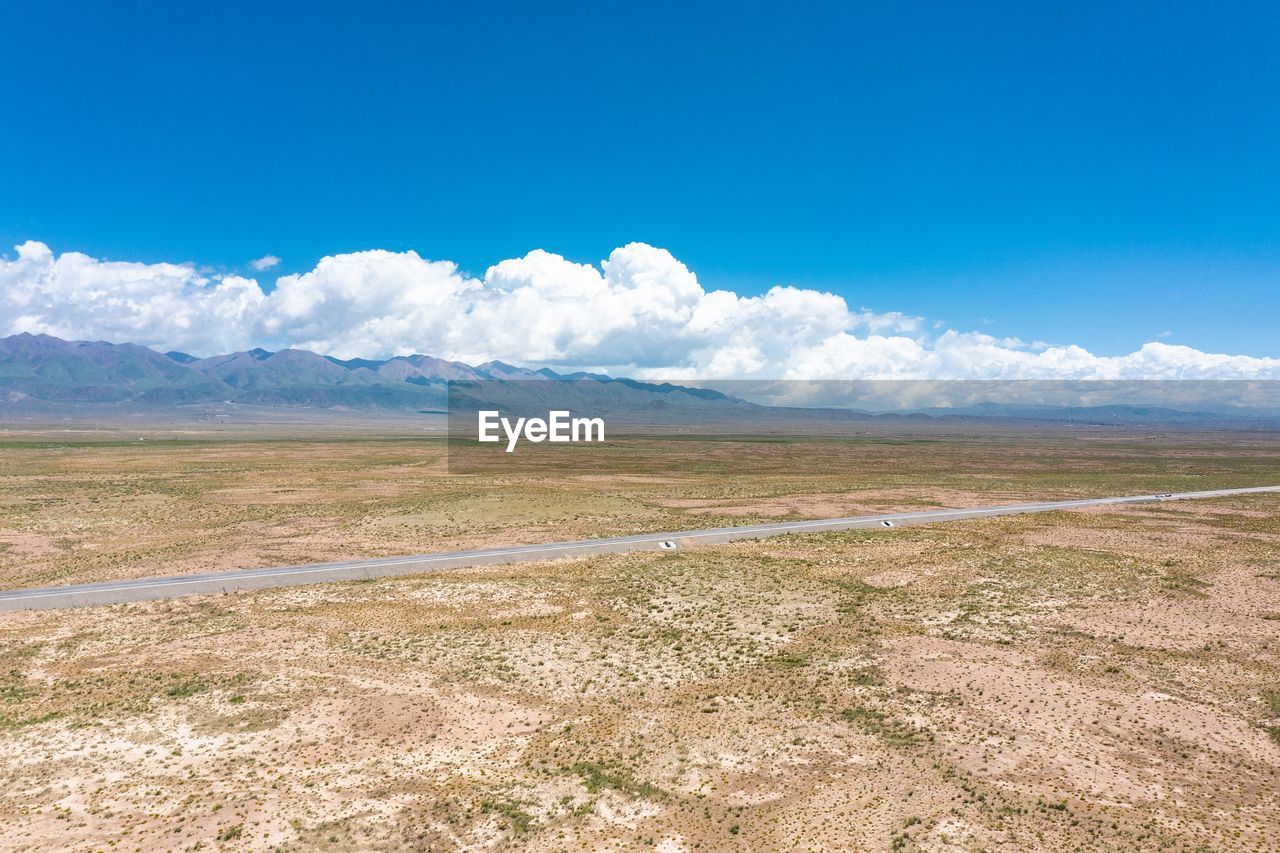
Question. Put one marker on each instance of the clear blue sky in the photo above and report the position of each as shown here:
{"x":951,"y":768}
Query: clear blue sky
{"x":1070,"y":172}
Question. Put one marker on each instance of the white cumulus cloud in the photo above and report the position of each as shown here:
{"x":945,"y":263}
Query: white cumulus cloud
{"x":640,"y":312}
{"x":76,"y":297}
{"x":265,"y":262}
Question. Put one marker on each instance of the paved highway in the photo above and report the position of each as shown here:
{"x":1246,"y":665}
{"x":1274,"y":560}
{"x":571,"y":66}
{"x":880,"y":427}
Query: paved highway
{"x":147,"y":589}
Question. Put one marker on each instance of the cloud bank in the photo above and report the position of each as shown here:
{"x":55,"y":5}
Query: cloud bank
{"x":640,"y":313}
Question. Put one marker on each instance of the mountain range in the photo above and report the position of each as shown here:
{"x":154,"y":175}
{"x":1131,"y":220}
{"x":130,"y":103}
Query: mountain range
{"x":38,"y":370}
{"x":45,"y":373}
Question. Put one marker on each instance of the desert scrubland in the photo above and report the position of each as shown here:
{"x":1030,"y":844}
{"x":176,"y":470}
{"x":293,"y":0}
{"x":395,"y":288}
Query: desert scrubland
{"x":89,"y":505}
{"x":1102,"y":679}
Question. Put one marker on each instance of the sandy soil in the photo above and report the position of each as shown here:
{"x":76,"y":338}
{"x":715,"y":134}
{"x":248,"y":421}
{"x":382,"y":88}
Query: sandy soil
{"x":1093,"y":680}
{"x":1102,"y":679}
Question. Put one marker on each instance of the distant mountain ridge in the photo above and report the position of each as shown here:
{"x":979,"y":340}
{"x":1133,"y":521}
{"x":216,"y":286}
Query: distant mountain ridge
{"x":42,"y":372}
{"x":46,"y":369}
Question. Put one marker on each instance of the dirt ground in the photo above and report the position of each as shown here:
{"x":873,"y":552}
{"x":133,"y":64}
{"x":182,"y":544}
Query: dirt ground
{"x":970,"y":686}
{"x":1102,"y":679}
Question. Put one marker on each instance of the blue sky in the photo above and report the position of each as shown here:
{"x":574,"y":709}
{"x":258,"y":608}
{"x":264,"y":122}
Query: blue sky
{"x":1100,"y":174}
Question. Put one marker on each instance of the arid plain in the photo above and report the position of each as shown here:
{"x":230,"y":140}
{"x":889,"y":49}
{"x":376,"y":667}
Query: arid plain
{"x":1098,"y":679}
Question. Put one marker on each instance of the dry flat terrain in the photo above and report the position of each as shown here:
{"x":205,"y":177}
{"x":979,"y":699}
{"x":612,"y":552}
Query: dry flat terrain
{"x":87,"y":506}
{"x":1106,"y":679}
